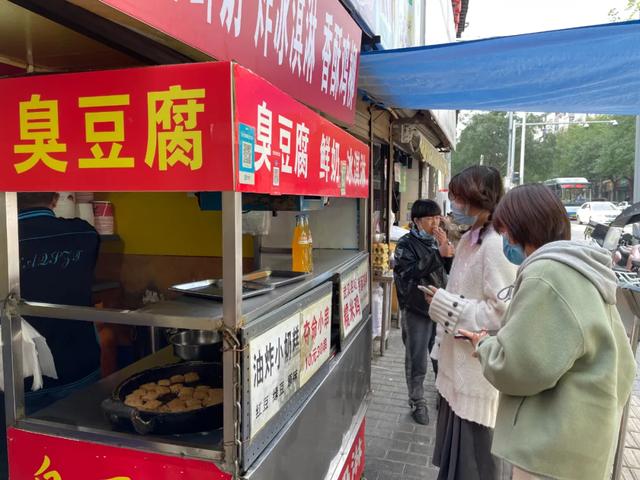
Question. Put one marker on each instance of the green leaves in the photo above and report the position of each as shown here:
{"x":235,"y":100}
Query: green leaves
{"x":599,"y":152}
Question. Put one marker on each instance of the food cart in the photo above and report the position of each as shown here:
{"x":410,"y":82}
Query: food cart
{"x":295,"y":365}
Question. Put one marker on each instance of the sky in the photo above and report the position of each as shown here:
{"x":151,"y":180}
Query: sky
{"x":492,"y":18}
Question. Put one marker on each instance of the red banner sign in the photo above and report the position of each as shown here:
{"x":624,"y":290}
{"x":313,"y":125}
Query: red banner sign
{"x":286,"y":148}
{"x":157,"y":128}
{"x":171,"y":128}
{"x":42,"y":457}
{"x":308,"y":48}
{"x":354,"y":466}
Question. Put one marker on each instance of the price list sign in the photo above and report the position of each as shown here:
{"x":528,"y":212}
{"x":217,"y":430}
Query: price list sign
{"x":354,"y":298}
{"x":274,"y":369}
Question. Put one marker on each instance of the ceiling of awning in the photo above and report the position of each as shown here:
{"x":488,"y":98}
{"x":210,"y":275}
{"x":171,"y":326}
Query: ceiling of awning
{"x":29,"y":41}
{"x":592,"y":69}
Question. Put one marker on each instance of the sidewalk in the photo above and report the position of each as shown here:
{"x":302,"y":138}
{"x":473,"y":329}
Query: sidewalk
{"x":396,"y":446}
{"x":399,"y":448}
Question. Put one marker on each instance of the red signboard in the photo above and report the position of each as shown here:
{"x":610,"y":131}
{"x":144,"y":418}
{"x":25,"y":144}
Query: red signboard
{"x":354,"y":466}
{"x":286,"y":148}
{"x":308,"y":48}
{"x":41,"y":457}
{"x":171,"y":128}
{"x":156,"y":128}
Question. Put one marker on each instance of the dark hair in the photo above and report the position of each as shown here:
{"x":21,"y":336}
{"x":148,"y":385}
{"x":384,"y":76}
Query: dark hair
{"x":35,"y":199}
{"x":479,"y":186}
{"x":425,"y":208}
{"x":532,"y":214}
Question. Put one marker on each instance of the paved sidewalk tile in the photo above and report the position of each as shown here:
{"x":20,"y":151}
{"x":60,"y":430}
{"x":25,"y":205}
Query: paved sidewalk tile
{"x":396,"y":446}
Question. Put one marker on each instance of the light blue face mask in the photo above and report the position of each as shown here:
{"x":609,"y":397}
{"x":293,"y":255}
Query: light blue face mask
{"x":514,"y":253}
{"x":461,"y":217}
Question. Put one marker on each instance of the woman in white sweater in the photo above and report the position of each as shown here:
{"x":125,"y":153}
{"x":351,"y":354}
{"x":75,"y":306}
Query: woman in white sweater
{"x":471,"y":301}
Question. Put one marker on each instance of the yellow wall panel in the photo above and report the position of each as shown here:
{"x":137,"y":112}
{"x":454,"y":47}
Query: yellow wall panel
{"x":167,"y":223}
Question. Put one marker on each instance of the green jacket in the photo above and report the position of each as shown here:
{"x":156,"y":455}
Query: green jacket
{"x":563,"y":365}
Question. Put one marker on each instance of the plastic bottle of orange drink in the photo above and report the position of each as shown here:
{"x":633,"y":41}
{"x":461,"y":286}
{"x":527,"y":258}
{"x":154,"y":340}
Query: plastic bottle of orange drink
{"x":309,"y":248}
{"x":299,"y":245}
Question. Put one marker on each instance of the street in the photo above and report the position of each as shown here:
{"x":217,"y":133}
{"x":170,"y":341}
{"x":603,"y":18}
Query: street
{"x":577,"y":231}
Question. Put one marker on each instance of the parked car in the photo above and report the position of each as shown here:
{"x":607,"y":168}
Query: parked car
{"x":598,"y":212}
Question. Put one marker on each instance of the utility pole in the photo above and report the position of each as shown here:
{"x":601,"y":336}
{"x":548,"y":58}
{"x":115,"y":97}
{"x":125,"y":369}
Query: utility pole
{"x":513,"y":150}
{"x":509,"y":174}
{"x":522,"y":144}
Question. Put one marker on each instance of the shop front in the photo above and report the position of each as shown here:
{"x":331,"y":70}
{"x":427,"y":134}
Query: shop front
{"x":292,"y":373}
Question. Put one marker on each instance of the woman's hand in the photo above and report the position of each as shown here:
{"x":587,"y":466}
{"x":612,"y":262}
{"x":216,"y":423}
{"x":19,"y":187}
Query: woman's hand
{"x":445,"y":246}
{"x":474,"y":337}
{"x":447,"y":250}
{"x":429,"y":292}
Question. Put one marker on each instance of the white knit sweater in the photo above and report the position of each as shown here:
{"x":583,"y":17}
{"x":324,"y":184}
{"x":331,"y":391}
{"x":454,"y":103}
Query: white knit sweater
{"x":479,"y":273}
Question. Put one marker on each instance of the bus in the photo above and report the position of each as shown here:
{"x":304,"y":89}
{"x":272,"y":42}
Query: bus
{"x":572,"y":192}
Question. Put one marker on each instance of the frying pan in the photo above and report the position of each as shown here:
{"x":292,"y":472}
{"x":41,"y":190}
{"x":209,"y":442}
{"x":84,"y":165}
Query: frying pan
{"x":143,"y":422}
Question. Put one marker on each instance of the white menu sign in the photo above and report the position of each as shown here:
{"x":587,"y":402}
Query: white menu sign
{"x":354,"y":298}
{"x":315,"y":327}
{"x":275,"y":370}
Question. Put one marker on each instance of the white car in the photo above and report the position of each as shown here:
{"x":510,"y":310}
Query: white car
{"x":598,"y":212}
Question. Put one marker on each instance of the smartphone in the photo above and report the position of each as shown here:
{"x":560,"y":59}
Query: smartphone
{"x":491,"y":333}
{"x":424,"y":289}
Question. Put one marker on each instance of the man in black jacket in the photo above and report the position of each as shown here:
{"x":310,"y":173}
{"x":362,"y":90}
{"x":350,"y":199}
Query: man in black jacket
{"x":423,"y":257}
{"x":57,"y":262}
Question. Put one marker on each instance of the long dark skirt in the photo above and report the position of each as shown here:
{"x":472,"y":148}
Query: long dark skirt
{"x":463,"y":449}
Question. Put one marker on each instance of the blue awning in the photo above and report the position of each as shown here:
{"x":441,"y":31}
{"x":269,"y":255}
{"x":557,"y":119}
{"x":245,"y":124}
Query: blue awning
{"x":593,"y":69}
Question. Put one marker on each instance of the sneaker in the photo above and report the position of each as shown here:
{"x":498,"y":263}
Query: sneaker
{"x":420,"y":414}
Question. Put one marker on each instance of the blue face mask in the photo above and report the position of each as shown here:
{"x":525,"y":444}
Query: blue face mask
{"x":461,"y":217}
{"x":514,"y":253}
{"x":423,"y":233}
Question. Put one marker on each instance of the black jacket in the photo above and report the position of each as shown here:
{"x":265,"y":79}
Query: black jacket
{"x":57,"y":263}
{"x":418,"y":262}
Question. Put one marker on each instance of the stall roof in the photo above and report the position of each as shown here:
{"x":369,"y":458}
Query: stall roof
{"x":593,"y":69}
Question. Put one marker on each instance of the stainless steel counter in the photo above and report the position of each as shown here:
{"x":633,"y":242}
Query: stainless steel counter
{"x":326,"y":264}
{"x":80,"y":415}
{"x":202,"y":314}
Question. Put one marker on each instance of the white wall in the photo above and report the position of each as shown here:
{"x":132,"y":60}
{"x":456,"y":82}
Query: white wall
{"x":335,"y":226}
{"x":439,"y":25}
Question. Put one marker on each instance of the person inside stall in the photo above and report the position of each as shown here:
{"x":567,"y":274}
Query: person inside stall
{"x":57,"y":262}
{"x":422,"y":257}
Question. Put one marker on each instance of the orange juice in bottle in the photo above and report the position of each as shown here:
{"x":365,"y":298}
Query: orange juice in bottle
{"x":299,"y":247}
{"x":309,"y":244}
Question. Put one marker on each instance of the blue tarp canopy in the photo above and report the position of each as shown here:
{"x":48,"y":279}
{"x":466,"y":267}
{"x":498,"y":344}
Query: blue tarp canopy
{"x":593,"y":69}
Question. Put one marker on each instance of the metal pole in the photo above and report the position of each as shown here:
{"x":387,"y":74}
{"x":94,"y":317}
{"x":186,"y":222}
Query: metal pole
{"x":636,"y":164}
{"x":513,"y":152}
{"x":232,"y":313}
{"x":390,"y":182}
{"x":522,"y":144}
{"x":11,"y":321}
{"x":508,"y":174}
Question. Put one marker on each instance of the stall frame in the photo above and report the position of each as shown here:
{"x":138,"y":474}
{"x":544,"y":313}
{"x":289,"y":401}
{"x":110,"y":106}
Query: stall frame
{"x":230,"y":322}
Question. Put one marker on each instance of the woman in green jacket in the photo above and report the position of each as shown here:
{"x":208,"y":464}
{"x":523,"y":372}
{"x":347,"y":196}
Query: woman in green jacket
{"x":561,"y":361}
